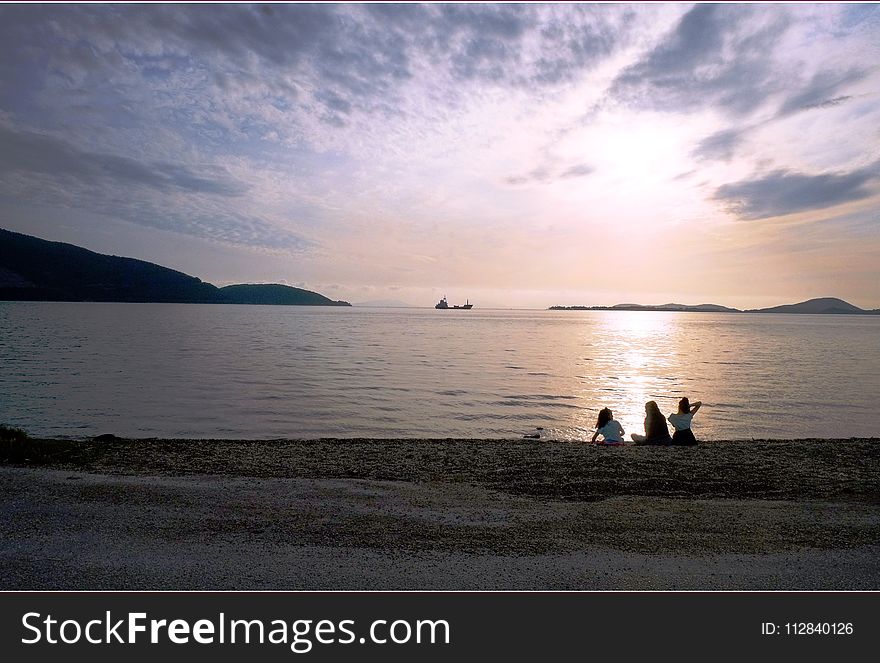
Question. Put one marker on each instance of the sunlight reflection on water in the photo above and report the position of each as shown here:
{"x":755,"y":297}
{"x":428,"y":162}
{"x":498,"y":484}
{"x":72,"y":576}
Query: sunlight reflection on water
{"x":260,"y":372}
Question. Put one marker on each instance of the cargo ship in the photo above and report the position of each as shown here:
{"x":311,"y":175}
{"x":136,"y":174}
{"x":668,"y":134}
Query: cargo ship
{"x":443,"y":304}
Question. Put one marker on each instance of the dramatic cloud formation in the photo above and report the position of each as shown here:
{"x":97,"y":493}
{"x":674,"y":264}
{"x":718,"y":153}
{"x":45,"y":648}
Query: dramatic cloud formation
{"x":716,"y":56}
{"x":402,"y":151}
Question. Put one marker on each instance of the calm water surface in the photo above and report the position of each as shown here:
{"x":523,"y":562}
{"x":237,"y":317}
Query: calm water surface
{"x":177,"y":370}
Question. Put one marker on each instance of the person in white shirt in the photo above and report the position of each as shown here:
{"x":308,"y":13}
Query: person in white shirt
{"x":681,"y":422}
{"x":610,"y":430}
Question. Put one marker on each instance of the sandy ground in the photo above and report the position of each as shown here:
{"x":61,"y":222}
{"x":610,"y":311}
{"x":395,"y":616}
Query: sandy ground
{"x":441,"y":514}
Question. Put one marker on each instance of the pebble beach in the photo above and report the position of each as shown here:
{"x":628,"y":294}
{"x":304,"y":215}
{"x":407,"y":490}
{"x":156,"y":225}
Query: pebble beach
{"x":439,"y":514}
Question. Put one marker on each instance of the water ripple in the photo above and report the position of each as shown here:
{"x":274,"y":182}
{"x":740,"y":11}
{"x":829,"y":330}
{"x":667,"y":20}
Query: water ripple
{"x":272,"y":372}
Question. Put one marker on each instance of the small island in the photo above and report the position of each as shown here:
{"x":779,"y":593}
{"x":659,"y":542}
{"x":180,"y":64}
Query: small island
{"x":819,"y":305}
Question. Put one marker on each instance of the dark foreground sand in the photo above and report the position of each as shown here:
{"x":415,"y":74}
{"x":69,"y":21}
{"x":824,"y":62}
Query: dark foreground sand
{"x":439,"y":514}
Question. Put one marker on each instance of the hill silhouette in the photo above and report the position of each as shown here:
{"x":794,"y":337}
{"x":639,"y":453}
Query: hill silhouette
{"x":275,"y":294}
{"x":33,"y":269}
{"x":818,"y":305}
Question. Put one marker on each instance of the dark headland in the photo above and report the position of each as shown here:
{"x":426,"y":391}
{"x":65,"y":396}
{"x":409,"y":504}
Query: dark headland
{"x":33,"y":269}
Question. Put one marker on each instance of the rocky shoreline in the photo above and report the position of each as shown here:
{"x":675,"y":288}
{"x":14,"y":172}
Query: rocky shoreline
{"x":846,"y":469}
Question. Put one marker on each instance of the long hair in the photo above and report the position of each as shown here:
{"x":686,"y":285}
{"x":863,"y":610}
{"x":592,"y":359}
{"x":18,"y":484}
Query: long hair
{"x":655,"y":422}
{"x":684,"y":405}
{"x":605,"y":415}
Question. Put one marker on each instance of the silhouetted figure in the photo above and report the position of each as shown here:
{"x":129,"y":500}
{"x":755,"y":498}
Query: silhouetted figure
{"x":610,"y":430}
{"x":681,"y":422}
{"x":656,"y":431}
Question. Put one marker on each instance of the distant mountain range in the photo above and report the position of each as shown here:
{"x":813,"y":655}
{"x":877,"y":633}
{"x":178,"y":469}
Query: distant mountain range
{"x":33,"y":269}
{"x":818,"y":305}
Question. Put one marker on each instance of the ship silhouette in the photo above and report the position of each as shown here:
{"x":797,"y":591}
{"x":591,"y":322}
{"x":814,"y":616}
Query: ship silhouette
{"x":443,"y":304}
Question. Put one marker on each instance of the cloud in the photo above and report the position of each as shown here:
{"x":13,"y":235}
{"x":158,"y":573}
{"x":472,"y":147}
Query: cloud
{"x":45,"y":170}
{"x":719,"y":146}
{"x":216,"y":225}
{"x":527,"y":46}
{"x":38,"y":153}
{"x":575,"y":46}
{"x":818,"y":93}
{"x":359,"y":57}
{"x":829,"y":103}
{"x":536,"y":175}
{"x":822,"y":91}
{"x":205,"y":217}
{"x":578,"y":170}
{"x":784,"y":192}
{"x":717,"y":56}
{"x":544,"y":174}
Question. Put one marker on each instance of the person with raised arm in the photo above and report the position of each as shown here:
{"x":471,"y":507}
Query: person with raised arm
{"x":681,"y":422}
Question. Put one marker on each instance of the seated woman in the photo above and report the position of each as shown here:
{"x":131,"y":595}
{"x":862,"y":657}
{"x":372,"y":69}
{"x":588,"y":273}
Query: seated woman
{"x":681,"y":422}
{"x":610,"y":430}
{"x":656,"y":431}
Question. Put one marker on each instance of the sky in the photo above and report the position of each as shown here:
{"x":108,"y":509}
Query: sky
{"x":518,"y":155}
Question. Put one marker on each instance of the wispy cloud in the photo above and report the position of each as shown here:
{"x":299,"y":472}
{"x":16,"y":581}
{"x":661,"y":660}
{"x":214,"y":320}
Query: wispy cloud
{"x":546,"y":174}
{"x":784,"y":192}
{"x":577,"y":170}
{"x":822,"y":91}
{"x":717,"y":56}
{"x":26,"y":151}
{"x":720,"y":145}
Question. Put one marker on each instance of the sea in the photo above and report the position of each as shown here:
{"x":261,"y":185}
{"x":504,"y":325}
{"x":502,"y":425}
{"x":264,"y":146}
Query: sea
{"x":74,"y":370}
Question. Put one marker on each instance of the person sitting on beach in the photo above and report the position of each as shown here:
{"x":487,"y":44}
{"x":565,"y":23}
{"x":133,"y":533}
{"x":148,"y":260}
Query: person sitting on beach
{"x":656,"y":431}
{"x":610,"y":430}
{"x":681,"y":422}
